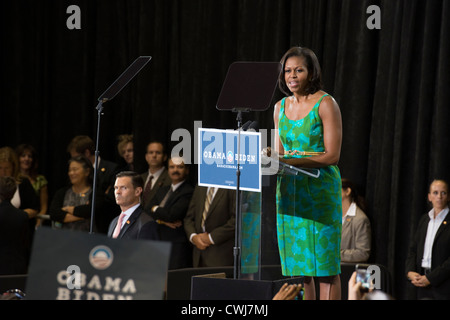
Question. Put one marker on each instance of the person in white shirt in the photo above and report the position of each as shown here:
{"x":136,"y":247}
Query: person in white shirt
{"x":428,"y":262}
{"x":356,"y":230}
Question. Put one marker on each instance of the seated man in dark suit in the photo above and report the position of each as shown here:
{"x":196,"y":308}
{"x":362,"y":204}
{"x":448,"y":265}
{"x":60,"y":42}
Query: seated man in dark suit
{"x":14,"y":232}
{"x":133,"y":222}
{"x":169,"y":207}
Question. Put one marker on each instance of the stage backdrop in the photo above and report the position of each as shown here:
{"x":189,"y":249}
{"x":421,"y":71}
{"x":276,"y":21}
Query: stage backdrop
{"x":390,"y":83}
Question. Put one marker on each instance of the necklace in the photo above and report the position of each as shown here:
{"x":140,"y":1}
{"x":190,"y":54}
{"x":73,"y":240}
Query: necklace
{"x":81,"y":193}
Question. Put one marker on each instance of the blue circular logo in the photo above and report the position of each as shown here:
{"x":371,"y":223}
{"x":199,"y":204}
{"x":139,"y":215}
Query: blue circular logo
{"x":230,"y":156}
{"x":101,"y":257}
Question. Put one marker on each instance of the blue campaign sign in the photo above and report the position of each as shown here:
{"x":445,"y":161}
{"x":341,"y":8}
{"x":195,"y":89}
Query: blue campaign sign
{"x":220,"y":152}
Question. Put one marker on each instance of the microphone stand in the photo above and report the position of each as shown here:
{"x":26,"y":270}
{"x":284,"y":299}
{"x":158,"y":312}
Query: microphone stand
{"x":249,"y":86}
{"x":108,"y":95}
{"x":99,"y":109}
{"x":238,"y":225}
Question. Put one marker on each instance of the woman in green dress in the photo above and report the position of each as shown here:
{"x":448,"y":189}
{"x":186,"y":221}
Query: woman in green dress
{"x":308,"y":130}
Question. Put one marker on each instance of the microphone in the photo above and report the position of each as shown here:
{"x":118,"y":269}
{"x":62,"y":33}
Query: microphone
{"x":254,"y":126}
{"x":246,"y":125}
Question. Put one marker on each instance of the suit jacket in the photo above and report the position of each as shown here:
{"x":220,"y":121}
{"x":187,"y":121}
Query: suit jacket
{"x":14,"y":240}
{"x":356,"y":238}
{"x":439,"y":276}
{"x":163,"y":180}
{"x":139,"y":226}
{"x":175,"y":209}
{"x":220,"y":223}
{"x":106,"y":173}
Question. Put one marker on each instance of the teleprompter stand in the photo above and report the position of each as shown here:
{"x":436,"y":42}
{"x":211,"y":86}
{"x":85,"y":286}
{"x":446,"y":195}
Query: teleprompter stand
{"x":248,"y":86}
{"x":108,"y":95}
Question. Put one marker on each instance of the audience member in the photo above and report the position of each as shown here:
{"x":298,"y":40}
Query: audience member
{"x":84,"y":145}
{"x":210,"y":226}
{"x":133,"y":222}
{"x":156,"y":176}
{"x":428,"y":261}
{"x":28,"y":164}
{"x":70,"y":207}
{"x":169,"y":207}
{"x":356,"y":232}
{"x":25,"y":197}
{"x":356,"y":291}
{"x":288,"y":292}
{"x":125,"y":148}
{"x":14,"y":231}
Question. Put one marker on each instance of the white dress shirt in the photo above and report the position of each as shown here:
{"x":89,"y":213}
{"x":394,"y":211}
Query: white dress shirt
{"x":433,"y":226}
{"x":351,"y":212}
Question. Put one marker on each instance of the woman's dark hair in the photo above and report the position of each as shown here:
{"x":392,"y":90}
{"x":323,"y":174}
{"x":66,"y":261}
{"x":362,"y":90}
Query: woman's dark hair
{"x":312,"y":64}
{"x":21,"y":149}
{"x":356,"y":198}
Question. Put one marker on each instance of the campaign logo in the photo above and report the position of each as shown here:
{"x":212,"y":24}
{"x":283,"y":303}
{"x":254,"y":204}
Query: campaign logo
{"x":230,"y":156}
{"x":101,"y":257}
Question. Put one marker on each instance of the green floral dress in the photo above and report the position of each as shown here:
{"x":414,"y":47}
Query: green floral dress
{"x":309,"y":210}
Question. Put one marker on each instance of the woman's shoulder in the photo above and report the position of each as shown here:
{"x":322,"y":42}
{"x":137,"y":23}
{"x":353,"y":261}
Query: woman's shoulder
{"x":361,"y":214}
{"x":278,"y":106}
{"x":280,"y":102}
{"x":324,"y":97}
{"x":41,"y":181}
{"x":328,"y":104}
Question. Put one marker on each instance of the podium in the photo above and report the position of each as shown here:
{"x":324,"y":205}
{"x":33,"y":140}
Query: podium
{"x":260,"y":273}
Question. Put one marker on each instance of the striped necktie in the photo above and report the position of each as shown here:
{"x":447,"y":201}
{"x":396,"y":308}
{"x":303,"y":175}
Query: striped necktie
{"x":208,"y":200}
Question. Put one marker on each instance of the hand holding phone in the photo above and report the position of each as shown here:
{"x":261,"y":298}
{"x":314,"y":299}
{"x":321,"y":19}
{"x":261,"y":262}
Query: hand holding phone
{"x":363,"y":275}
